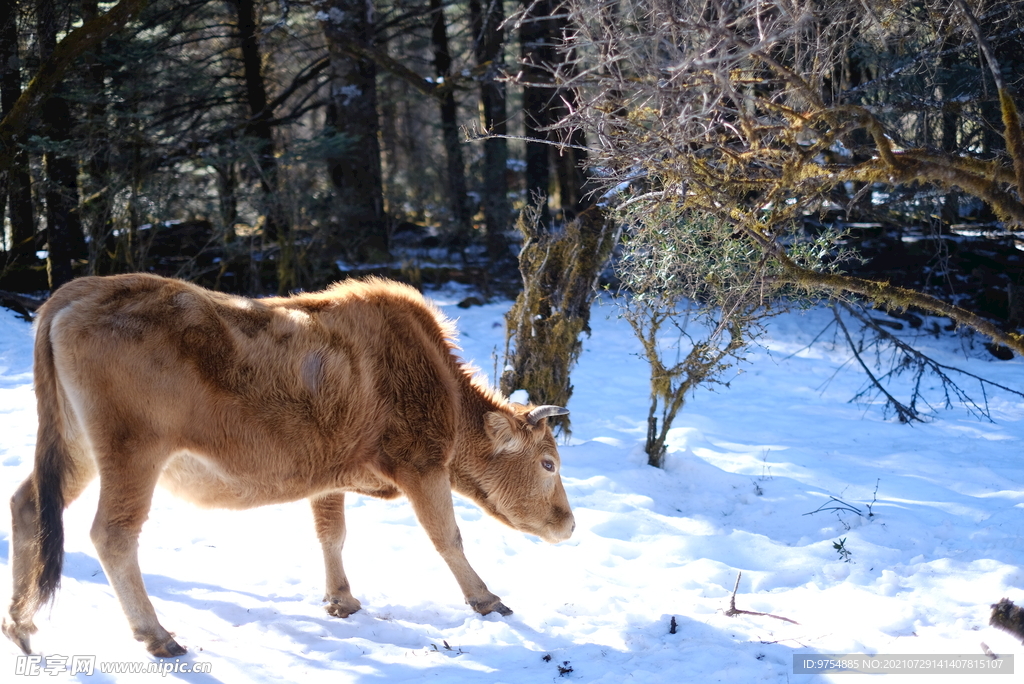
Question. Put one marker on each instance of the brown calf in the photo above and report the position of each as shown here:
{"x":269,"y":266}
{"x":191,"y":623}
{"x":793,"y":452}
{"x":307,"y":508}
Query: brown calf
{"x":232,"y":402}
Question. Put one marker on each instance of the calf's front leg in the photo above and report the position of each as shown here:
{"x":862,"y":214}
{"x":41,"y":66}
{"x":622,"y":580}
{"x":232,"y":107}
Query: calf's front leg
{"x":329,"y":518}
{"x":431,"y":497}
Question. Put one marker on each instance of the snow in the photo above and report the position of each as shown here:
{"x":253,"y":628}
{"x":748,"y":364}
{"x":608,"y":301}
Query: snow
{"x":939,"y":538}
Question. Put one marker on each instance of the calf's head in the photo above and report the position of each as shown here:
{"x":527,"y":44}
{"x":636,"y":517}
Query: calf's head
{"x":519,"y":478}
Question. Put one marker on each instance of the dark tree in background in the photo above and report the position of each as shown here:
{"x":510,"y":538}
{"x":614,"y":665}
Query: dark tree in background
{"x":555,"y":155}
{"x":258,"y":126}
{"x":64,"y":238}
{"x":486,"y":23}
{"x":240,"y":143}
{"x":450,"y":127}
{"x":539,"y":38}
{"x":263,"y":146}
{"x":95,"y":209}
{"x":260,"y":147}
{"x":15,"y":182}
{"x":352,"y":117}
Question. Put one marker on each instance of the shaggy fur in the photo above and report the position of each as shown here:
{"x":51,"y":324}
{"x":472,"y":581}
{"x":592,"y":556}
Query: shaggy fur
{"x":233,"y":402}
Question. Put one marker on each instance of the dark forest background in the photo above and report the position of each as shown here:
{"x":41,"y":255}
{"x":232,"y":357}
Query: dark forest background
{"x":264,"y":147}
{"x":267,"y":146}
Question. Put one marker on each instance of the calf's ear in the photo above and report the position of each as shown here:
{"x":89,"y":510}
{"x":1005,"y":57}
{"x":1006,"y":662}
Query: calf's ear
{"x":504,"y":431}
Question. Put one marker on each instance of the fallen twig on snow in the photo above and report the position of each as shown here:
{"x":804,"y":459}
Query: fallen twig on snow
{"x":840,"y":506}
{"x":733,"y":610}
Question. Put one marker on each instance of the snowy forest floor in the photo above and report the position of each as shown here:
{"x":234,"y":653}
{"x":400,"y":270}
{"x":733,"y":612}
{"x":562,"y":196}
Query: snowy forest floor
{"x":937,"y":536}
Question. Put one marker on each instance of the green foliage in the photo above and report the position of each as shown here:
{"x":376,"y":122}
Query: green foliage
{"x":673,"y":252}
{"x":840,"y":547}
{"x":697,"y":290}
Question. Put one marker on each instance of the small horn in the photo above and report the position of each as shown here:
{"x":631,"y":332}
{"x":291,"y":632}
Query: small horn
{"x":541,"y":412}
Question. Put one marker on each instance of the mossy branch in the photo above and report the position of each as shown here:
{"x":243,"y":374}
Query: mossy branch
{"x":890,"y":296}
{"x":978,"y":178}
{"x":1014,"y":137}
{"x":1011,"y":119}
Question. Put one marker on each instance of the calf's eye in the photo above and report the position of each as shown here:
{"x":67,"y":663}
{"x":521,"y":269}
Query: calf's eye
{"x":548,"y":465}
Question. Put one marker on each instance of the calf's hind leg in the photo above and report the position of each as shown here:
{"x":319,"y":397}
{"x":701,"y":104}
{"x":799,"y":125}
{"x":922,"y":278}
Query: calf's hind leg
{"x":26,"y":564}
{"x":18,"y":624}
{"x":329,"y":518}
{"x":125,"y":497}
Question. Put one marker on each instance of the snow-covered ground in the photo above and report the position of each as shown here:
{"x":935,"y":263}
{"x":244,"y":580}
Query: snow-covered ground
{"x":748,"y":466}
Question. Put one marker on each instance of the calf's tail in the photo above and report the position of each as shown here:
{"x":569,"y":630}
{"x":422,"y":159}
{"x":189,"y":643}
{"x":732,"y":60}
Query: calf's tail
{"x":53,"y":461}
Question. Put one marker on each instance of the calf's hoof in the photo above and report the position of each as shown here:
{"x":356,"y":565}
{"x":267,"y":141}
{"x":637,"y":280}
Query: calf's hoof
{"x":502,"y":609}
{"x":492,"y":604}
{"x":165,"y":648}
{"x":19,"y":633}
{"x":342,"y":608}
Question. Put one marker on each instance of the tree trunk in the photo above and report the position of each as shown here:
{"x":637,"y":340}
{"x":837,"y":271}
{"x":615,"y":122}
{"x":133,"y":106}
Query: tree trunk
{"x":64,"y":238}
{"x":654,"y":447}
{"x":227,"y":198}
{"x":461,"y":212}
{"x":859,"y":207}
{"x":544,"y":105}
{"x":489,"y":39}
{"x":63,"y":224}
{"x":258,"y":128}
{"x":352,"y":115}
{"x":8,"y":62}
{"x":96,"y":209}
{"x":20,"y":209}
{"x":537,"y":36}
{"x":16,"y":188}
{"x":950,"y":126}
{"x":560,"y":277}
{"x":570,"y":164}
